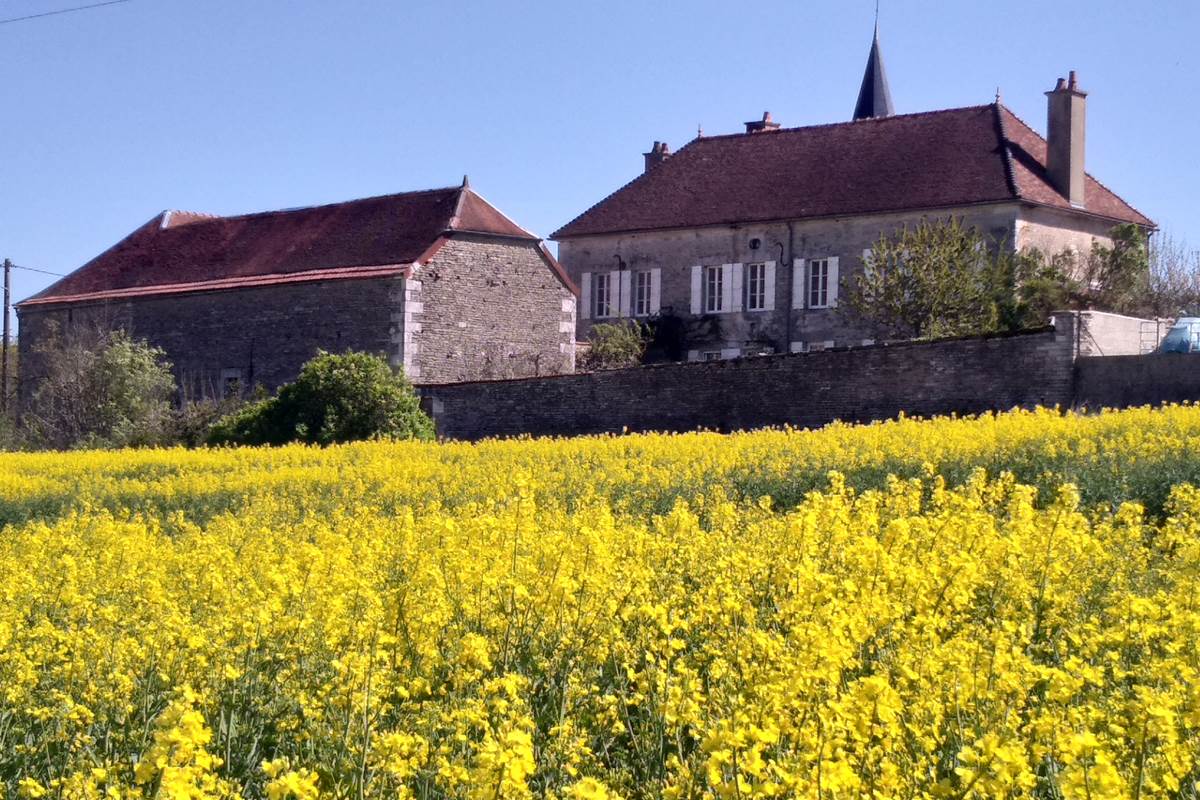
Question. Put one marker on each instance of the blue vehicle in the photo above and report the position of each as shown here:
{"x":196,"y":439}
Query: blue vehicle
{"x":1183,"y":337}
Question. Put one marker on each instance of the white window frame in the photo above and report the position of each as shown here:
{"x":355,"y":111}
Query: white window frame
{"x":817,"y":286}
{"x":713,"y":289}
{"x":602,"y":305}
{"x":643,"y":293}
{"x":756,"y":286}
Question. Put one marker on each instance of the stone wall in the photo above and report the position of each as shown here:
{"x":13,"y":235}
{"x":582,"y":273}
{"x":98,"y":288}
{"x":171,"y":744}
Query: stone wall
{"x":852,"y":384}
{"x":258,"y":335}
{"x":1104,"y":334}
{"x":1123,"y":381}
{"x":487,"y":308}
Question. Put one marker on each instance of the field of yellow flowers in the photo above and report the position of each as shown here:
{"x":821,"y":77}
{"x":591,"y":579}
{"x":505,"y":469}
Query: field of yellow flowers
{"x":999,"y":607}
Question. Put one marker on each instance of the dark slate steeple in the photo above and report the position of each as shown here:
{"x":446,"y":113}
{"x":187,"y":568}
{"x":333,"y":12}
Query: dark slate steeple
{"x":874,"y":98}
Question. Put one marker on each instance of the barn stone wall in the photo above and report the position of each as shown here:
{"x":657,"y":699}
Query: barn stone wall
{"x":488,"y":308}
{"x":260,"y":335}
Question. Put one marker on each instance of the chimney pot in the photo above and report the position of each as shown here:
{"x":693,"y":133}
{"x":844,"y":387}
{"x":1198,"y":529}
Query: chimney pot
{"x":659,"y":153}
{"x":764,"y":124}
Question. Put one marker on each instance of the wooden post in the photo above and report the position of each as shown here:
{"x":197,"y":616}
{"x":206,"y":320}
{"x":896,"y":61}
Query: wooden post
{"x":4,"y":355}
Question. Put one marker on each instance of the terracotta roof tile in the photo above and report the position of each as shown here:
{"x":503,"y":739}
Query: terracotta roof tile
{"x":935,"y":159}
{"x":177,"y":249}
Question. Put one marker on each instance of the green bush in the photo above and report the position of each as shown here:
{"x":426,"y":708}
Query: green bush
{"x":336,"y":398}
{"x":614,"y":345}
{"x":100,"y":389}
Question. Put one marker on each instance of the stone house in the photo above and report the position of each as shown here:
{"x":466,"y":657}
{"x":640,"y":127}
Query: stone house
{"x":440,"y":282}
{"x":748,"y":238}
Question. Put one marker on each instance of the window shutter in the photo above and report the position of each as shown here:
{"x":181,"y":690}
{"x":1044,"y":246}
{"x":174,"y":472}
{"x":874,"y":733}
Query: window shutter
{"x":727,"y":279}
{"x":738,"y":294}
{"x":655,"y":290}
{"x":625,"y":281}
{"x":696,"y":283}
{"x":833,"y":281}
{"x":585,"y":296}
{"x":769,"y":287}
{"x":798,"y":284}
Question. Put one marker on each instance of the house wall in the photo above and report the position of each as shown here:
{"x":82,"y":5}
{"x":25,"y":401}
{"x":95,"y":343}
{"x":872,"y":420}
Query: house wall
{"x":1053,"y":231}
{"x":263,"y":334}
{"x":855,"y":384}
{"x":487,"y":308}
{"x":674,"y":252}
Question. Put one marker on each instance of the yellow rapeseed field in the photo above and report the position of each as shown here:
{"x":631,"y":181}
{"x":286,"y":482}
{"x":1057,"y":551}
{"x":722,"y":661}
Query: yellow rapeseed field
{"x":998,"y":607}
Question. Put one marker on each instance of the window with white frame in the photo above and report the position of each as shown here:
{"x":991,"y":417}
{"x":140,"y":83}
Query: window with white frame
{"x":602,"y":295}
{"x":643,"y":292}
{"x":710,"y":355}
{"x":756,"y":287}
{"x":714,"y":290}
{"x":818,"y":283}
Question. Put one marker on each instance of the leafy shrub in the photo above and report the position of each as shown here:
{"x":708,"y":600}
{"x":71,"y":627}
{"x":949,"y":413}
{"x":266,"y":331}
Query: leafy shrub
{"x":100,"y":389}
{"x":336,"y":398}
{"x":615,"y":345}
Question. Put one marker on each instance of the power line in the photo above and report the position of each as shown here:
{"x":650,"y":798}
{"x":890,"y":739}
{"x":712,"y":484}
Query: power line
{"x":34,"y":269}
{"x":61,"y":11}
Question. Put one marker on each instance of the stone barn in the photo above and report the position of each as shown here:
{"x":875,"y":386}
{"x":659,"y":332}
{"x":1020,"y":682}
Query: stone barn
{"x":440,"y":282}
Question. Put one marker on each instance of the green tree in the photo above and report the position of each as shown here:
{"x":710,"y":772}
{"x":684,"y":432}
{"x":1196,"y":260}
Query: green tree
{"x":933,"y":280}
{"x":99,"y":389}
{"x":613,"y":345}
{"x":1118,"y":277}
{"x":336,"y":398}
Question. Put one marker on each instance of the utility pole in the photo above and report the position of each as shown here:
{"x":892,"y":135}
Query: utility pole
{"x":4,"y":356}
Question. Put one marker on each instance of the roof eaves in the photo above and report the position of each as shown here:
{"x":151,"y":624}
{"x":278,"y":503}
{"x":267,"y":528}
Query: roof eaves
{"x":776,"y":220}
{"x":222,"y":284}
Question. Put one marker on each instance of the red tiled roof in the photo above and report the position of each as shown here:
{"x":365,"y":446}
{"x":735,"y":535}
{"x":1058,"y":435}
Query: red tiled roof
{"x":186,"y":251}
{"x":931,"y":160}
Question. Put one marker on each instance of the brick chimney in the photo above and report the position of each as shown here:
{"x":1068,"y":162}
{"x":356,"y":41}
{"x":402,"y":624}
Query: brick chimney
{"x":764,"y":124}
{"x":1065,"y":127}
{"x":658,"y":154}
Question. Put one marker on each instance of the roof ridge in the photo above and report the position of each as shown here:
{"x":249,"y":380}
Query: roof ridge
{"x":1099,"y":183}
{"x":868,"y":120}
{"x":292,"y":209}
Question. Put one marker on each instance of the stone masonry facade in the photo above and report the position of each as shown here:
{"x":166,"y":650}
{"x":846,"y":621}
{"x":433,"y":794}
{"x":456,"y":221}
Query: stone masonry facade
{"x":483,"y":307}
{"x":486,"y":308}
{"x":790,"y":248}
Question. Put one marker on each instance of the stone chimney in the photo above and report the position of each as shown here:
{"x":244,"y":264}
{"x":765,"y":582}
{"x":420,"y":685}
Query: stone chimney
{"x":1065,"y":126}
{"x":658,"y":154}
{"x":764,"y":124}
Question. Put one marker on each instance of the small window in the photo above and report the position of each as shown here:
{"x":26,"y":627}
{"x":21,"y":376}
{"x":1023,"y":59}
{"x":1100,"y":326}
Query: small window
{"x":714,"y":289}
{"x":756,"y":287}
{"x":642,"y":283}
{"x":710,"y":355}
{"x":602,"y":295}
{"x":818,"y":283}
{"x":231,"y":383}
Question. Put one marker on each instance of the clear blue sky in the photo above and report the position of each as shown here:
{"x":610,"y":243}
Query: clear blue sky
{"x":111,"y":115}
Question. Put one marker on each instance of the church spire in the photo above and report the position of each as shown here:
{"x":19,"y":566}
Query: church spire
{"x":874,"y":98}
